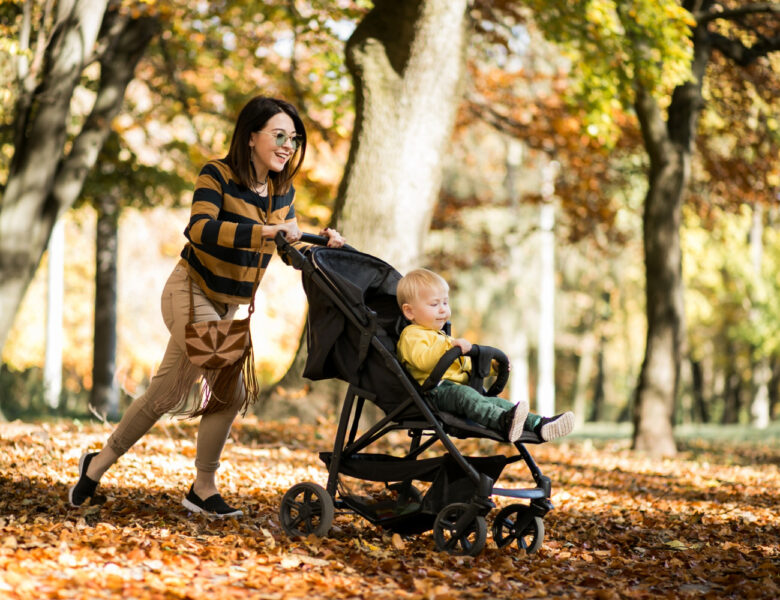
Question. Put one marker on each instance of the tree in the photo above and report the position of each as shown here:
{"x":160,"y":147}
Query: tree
{"x":651,"y":56}
{"x":406,"y":60}
{"x":49,"y":166}
{"x":116,"y":182}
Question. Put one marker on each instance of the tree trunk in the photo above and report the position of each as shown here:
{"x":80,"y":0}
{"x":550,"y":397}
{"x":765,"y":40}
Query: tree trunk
{"x":699,"y":412}
{"x":104,"y":397}
{"x":597,"y":410}
{"x":762,"y":373}
{"x":43,"y":182}
{"x":406,"y":58}
{"x":658,"y":378}
{"x":669,"y":146}
{"x":588,"y":348}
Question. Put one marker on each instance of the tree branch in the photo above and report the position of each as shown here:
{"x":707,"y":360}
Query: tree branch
{"x":739,"y":52}
{"x":117,"y":66}
{"x":651,"y":121}
{"x":735,"y":13}
{"x":501,"y":123}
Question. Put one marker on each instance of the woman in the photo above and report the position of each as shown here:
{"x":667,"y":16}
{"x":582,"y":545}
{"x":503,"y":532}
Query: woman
{"x":240,"y":203}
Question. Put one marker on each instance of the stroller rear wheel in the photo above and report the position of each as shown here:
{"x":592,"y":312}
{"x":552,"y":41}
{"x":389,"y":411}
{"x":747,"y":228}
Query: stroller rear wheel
{"x":517,"y":523}
{"x":306,"y":508}
{"x":458,"y":531}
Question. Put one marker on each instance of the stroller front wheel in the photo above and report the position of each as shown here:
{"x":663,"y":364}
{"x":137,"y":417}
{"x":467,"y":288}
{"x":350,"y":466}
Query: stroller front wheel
{"x":517,"y":523}
{"x":306,"y":508}
{"x":458,"y":531}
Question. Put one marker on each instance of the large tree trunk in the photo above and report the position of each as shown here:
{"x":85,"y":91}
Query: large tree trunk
{"x":406,"y":58}
{"x":104,"y":397}
{"x":669,"y":146}
{"x":43,"y":182}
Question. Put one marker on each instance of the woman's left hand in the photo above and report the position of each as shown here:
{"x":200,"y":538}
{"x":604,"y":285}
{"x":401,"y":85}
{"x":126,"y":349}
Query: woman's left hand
{"x":334,"y":238}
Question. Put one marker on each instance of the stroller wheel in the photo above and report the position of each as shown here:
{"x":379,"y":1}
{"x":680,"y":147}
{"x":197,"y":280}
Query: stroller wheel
{"x":306,"y":508}
{"x":517,"y":523}
{"x":457,"y":531}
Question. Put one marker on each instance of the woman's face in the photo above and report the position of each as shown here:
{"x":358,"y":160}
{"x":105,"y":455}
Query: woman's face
{"x":266,"y":155}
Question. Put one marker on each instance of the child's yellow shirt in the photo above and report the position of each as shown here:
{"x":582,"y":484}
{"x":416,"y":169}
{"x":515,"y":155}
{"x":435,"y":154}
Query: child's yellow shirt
{"x":420,"y":348}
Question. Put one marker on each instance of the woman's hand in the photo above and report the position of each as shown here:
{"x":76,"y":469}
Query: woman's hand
{"x":290,"y":229}
{"x":334,"y":237}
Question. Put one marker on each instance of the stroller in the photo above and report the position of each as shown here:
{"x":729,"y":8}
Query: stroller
{"x":352,"y":329}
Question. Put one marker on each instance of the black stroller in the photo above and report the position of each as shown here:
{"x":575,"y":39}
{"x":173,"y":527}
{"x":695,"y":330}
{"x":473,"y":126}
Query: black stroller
{"x":353,"y":326}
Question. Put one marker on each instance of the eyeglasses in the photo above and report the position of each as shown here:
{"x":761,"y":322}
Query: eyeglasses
{"x":280,"y":139}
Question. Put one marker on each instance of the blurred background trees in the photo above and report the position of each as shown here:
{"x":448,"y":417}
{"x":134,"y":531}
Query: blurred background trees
{"x":613,"y":110}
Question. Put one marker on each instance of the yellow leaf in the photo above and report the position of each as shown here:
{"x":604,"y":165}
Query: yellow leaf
{"x":677,"y":545}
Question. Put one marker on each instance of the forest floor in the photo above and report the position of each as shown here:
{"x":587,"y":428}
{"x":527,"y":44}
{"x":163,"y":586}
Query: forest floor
{"x":703,"y":525}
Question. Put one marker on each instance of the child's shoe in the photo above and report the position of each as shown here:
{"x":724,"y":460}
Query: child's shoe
{"x":512,"y":421}
{"x":550,"y":428}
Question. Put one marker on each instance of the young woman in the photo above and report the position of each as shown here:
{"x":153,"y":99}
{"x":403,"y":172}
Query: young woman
{"x":240,"y":203}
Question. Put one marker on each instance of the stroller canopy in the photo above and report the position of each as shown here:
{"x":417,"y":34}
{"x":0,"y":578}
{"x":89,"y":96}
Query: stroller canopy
{"x":352,"y":300}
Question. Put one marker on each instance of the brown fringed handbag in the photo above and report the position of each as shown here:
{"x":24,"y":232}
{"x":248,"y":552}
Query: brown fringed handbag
{"x":223,"y":350}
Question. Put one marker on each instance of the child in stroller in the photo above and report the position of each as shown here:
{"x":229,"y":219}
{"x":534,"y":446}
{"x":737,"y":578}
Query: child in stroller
{"x":423,"y":297}
{"x":353,"y":326}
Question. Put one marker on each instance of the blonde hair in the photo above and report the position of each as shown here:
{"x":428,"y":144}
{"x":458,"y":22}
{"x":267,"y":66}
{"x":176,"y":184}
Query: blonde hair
{"x":411,"y":285}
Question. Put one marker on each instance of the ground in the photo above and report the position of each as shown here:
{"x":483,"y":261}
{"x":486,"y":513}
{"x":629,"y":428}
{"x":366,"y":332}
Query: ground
{"x":704,"y":525}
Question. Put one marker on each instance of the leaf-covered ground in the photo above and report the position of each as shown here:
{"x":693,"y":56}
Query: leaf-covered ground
{"x":705,"y":525}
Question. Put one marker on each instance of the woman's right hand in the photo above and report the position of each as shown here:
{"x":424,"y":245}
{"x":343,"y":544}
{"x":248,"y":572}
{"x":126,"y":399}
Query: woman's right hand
{"x":290,"y":229}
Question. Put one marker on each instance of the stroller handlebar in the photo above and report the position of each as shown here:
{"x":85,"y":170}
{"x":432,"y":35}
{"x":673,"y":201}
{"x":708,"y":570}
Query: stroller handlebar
{"x":482,"y":358}
{"x":306,"y":238}
{"x":294,"y":257}
{"x":317,"y":240}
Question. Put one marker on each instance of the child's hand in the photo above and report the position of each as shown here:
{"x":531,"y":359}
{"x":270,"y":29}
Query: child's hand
{"x":464,"y":345}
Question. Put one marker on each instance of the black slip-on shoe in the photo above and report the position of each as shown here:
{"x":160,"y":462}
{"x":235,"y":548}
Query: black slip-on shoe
{"x":85,"y":487}
{"x":550,"y":428}
{"x":213,"y":505}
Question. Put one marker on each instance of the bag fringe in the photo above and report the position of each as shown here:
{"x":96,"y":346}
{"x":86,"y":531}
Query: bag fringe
{"x":235,"y":383}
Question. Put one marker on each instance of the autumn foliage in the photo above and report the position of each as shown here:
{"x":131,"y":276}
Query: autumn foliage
{"x":702,"y":526}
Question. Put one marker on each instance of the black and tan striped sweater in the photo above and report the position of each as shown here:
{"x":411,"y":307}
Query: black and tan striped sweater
{"x":225,"y":233}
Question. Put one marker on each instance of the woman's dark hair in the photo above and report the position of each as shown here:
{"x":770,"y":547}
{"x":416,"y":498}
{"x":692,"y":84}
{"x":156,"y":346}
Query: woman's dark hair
{"x":253,"y":117}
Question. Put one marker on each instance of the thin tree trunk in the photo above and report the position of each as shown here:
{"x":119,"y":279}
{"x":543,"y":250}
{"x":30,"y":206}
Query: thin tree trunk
{"x":597,"y":409}
{"x":659,"y":375}
{"x":584,"y":370}
{"x":104,"y":397}
{"x":699,"y":412}
{"x":669,"y":145}
{"x":759,"y":408}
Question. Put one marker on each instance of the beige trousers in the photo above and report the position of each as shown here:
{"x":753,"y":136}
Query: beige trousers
{"x":142,"y":414}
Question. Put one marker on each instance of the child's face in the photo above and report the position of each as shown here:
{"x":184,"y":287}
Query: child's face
{"x":431,"y":308}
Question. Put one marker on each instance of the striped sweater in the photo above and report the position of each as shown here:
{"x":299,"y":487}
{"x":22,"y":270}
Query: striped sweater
{"x":225,"y":233}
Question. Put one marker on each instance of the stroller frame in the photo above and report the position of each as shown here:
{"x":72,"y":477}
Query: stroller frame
{"x":459,"y":527}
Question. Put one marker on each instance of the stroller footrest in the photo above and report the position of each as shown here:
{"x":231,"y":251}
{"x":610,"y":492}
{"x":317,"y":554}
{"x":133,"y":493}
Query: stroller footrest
{"x":527,"y":493}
